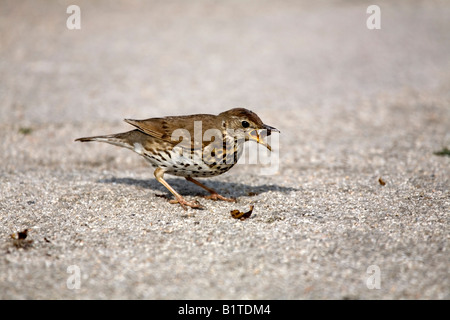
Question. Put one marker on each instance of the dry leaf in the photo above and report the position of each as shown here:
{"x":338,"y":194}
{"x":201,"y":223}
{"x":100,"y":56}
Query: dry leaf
{"x":241,"y":215}
{"x":19,"y":240}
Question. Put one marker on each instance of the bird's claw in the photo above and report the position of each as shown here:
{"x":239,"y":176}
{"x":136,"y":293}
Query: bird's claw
{"x":193,"y":204}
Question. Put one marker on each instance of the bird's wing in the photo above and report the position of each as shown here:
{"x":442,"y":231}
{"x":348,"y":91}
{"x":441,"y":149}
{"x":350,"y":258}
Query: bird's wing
{"x":154,"y":127}
{"x":178,"y":130}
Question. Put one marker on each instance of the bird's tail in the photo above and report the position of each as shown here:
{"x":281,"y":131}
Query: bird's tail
{"x":125,"y":139}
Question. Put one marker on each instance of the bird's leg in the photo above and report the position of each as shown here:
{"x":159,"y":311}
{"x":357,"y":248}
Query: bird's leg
{"x":159,"y":173}
{"x":214,"y":195}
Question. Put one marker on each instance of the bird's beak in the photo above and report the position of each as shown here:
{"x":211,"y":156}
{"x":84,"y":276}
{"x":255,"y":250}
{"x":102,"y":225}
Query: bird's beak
{"x":259,"y":137}
{"x":269,"y":129}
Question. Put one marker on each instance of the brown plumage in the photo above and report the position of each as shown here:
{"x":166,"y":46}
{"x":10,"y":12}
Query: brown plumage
{"x":201,"y":145}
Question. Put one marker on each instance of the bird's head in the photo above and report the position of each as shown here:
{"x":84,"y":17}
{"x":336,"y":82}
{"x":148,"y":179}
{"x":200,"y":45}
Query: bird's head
{"x":246,"y":125}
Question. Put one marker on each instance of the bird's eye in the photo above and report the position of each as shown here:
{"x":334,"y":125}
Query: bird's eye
{"x":245,"y":124}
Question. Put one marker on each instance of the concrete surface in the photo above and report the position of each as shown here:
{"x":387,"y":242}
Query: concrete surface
{"x":353,"y":106}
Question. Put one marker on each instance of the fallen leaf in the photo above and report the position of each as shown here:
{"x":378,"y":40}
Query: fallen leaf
{"x":21,"y":235}
{"x":241,"y":215}
{"x":19,"y":240}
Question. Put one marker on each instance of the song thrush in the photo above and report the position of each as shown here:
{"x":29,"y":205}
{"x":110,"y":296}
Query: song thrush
{"x":200,"y":145}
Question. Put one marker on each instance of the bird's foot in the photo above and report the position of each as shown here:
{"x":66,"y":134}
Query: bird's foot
{"x":193,"y":204}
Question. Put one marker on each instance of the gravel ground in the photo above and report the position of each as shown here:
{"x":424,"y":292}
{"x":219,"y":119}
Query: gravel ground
{"x":357,"y":207}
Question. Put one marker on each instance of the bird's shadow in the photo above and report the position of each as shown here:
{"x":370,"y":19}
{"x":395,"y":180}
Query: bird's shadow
{"x":184,"y":187}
